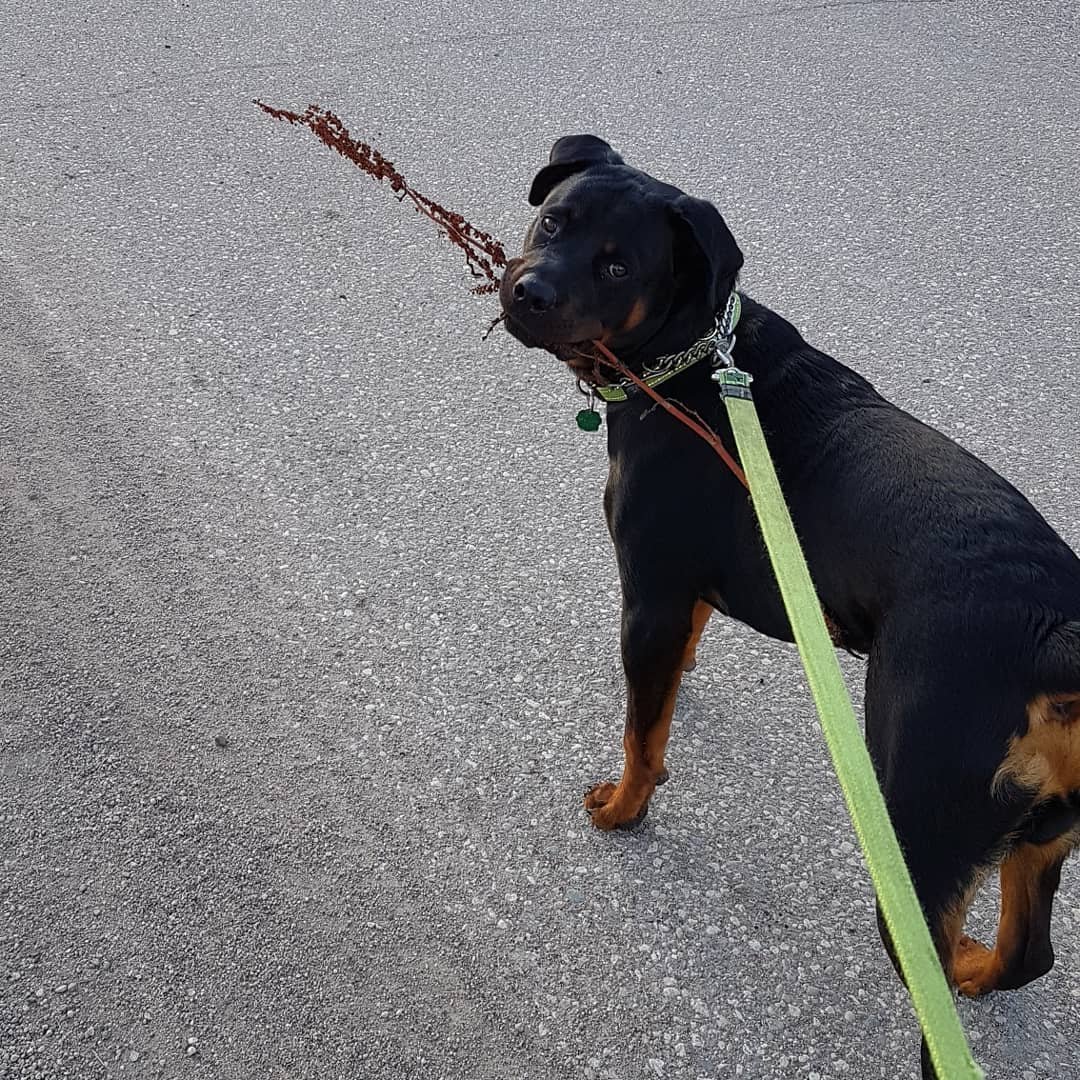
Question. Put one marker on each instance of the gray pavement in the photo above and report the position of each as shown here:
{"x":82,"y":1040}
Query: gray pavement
{"x":263,"y":485}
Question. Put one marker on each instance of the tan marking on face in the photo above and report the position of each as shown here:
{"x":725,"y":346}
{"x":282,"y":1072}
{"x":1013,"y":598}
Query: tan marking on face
{"x":1046,"y":758}
{"x":610,"y":247}
{"x":636,"y":316}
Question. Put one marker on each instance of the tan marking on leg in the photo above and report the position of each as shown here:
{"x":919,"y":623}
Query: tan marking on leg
{"x":1044,"y":761}
{"x":975,"y":968}
{"x":613,"y":805}
{"x":1025,"y":912}
{"x":836,"y":635}
{"x":702,"y":611}
{"x":950,"y":927}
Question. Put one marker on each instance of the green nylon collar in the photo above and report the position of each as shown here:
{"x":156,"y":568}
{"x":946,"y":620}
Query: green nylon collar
{"x":716,"y":345}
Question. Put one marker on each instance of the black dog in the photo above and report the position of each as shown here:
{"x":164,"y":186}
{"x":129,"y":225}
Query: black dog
{"x":965,"y":600}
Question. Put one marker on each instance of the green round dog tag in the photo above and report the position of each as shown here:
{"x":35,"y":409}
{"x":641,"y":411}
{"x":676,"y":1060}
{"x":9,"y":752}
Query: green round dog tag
{"x":588,"y":420}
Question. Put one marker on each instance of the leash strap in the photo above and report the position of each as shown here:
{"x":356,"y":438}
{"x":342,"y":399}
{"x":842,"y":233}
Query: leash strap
{"x":930,"y":994}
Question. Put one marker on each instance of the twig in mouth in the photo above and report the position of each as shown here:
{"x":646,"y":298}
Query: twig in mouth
{"x":595,"y":374}
{"x":494,"y":322}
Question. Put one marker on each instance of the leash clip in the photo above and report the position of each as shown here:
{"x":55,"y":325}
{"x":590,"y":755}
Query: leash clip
{"x":722,"y":351}
{"x":733,"y":382}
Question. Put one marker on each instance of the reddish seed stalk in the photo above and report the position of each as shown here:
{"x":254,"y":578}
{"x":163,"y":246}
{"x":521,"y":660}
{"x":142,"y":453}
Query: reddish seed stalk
{"x":483,"y":253}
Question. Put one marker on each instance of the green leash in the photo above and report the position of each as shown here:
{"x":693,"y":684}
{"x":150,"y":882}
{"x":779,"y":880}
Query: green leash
{"x":930,"y":994}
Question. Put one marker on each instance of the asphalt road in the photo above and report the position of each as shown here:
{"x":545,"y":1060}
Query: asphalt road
{"x":263,"y":485}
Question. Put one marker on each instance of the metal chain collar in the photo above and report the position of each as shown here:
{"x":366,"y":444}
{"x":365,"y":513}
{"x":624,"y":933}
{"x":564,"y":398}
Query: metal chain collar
{"x":715,"y":345}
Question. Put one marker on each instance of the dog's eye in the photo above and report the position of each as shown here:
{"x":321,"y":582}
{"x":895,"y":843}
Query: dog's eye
{"x":617,"y":270}
{"x":548,"y":223}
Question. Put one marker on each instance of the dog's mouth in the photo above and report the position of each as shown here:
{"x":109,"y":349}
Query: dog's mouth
{"x":580,"y":357}
{"x":551,"y":330}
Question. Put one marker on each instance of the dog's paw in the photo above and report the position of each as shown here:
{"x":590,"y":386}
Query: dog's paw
{"x":608,"y":810}
{"x":599,"y":795}
{"x":975,"y":969}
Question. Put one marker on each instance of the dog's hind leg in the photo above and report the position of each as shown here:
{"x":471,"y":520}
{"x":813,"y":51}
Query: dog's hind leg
{"x":937,"y":729}
{"x":946,"y":870}
{"x":1043,"y":763}
{"x":1029,"y":879}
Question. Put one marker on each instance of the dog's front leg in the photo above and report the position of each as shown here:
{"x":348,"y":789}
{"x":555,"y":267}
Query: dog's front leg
{"x":657,"y":642}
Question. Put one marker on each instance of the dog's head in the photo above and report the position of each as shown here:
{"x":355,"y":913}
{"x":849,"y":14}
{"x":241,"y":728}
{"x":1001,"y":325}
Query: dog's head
{"x":617,"y":256}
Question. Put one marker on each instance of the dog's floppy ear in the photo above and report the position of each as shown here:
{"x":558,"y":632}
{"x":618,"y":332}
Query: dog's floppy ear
{"x":704,"y":229}
{"x":570,"y":154}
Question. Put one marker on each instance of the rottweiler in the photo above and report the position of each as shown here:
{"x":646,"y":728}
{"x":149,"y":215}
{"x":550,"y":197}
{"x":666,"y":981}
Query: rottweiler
{"x":964,"y":600}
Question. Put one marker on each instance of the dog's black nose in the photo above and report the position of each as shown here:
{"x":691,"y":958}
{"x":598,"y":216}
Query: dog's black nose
{"x":534,"y":291}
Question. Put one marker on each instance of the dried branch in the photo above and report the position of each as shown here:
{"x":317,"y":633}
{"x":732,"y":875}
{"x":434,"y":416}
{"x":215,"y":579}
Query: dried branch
{"x":483,"y":253}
